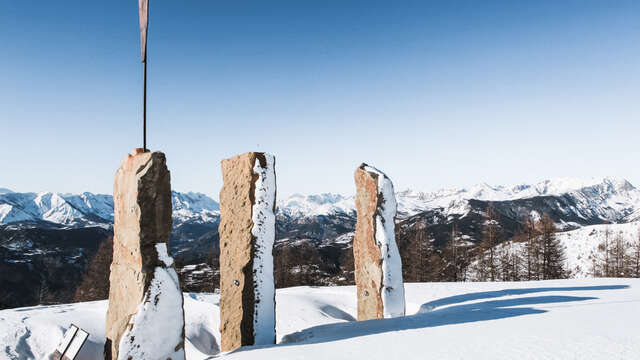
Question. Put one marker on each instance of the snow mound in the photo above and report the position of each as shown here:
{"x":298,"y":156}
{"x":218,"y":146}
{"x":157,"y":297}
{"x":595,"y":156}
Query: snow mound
{"x":155,"y":331}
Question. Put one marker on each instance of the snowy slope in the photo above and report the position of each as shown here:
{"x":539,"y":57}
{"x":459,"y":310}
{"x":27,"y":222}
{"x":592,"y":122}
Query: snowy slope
{"x":559,"y":319}
{"x":581,"y":245}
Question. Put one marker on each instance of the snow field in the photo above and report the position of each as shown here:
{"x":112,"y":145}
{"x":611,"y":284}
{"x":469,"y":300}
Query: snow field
{"x":557,"y":319}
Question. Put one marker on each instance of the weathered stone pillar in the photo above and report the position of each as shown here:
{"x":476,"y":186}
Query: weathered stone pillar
{"x":378,"y":267}
{"x":145,"y":319}
{"x":247,"y":234}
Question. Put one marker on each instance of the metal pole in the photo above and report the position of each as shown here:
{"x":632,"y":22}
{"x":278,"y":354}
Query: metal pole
{"x":144,"y":110}
{"x":144,"y":105}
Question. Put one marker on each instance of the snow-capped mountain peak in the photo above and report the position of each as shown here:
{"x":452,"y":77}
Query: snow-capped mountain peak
{"x":609,"y":199}
{"x":298,"y":205}
{"x":193,"y":201}
{"x":193,"y":206}
{"x":613,"y":194}
{"x":89,"y":209}
{"x":553,"y":187}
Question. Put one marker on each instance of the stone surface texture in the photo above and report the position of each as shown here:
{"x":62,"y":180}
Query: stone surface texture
{"x":378,"y":267}
{"x":366,"y":253}
{"x":238,"y":250}
{"x":142,"y":219}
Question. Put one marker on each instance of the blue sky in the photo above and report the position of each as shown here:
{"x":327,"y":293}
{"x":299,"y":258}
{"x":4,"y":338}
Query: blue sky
{"x":436,"y":94}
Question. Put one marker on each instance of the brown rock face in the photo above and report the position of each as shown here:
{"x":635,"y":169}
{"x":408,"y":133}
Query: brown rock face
{"x":238,"y":251}
{"x":367,"y":255}
{"x":142,"y":219}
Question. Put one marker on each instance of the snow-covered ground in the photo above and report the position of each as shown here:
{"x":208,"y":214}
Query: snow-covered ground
{"x":581,"y":245}
{"x":559,"y":319}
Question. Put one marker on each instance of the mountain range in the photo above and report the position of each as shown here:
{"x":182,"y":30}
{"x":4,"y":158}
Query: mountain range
{"x":48,"y":239}
{"x":608,"y":199}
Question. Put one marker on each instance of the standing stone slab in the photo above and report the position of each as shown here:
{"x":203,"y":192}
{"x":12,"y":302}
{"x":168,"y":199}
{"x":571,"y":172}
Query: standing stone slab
{"x":247,"y":234}
{"x":145,"y":319}
{"x":378,"y":267}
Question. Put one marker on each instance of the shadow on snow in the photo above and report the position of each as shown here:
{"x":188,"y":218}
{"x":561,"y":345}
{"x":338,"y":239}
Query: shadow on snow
{"x":427,"y":307}
{"x":430,"y":316}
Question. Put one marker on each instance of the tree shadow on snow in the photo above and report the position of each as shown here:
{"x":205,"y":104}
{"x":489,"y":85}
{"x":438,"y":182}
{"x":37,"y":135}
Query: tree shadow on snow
{"x":430,"y":316}
{"x":336,"y":313}
{"x":427,"y":307}
{"x":488,"y":310}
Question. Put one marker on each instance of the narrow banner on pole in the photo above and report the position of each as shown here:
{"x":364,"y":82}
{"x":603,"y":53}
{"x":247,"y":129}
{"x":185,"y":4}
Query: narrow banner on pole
{"x":143,"y":7}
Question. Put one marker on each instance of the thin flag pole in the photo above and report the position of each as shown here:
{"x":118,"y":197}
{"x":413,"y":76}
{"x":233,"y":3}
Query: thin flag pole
{"x":144,"y":109}
{"x":143,"y":10}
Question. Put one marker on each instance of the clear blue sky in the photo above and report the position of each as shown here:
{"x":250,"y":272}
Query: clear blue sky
{"x":436,"y":94}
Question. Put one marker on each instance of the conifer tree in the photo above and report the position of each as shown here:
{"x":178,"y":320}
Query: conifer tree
{"x":531,"y":251}
{"x":422,"y":253}
{"x":553,"y":258}
{"x":95,"y":283}
{"x":607,"y":263}
{"x":618,"y":256}
{"x":492,"y":233}
{"x":634,"y":261}
{"x":451,"y":259}
{"x":504,"y":258}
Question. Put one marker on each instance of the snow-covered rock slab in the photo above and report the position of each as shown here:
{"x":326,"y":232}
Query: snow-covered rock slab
{"x":378,"y":267}
{"x":145,"y":318}
{"x":247,"y":235}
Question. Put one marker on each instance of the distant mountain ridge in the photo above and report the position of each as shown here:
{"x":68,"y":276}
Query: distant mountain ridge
{"x":610,"y":199}
{"x":87,"y":209}
{"x":54,"y":208}
{"x":49,"y":238}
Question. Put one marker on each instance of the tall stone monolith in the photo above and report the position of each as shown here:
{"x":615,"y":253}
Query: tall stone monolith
{"x":247,"y":234}
{"x":145,"y":319}
{"x":378,"y":267}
